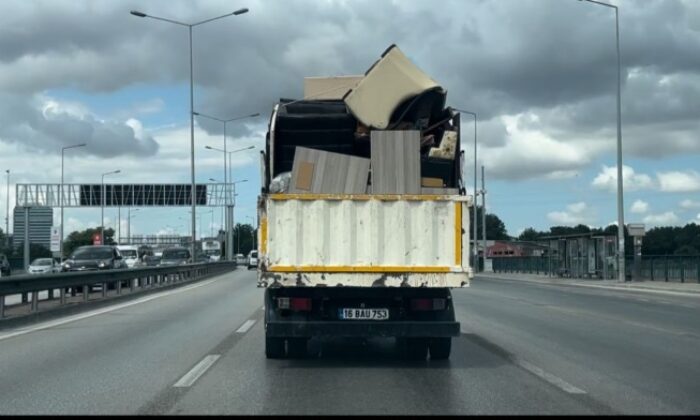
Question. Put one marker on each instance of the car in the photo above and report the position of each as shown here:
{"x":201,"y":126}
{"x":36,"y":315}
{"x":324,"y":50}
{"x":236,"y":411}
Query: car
{"x":94,"y":257}
{"x":130,"y":254}
{"x":43,"y":266}
{"x":241,"y":259}
{"x":253,"y":259}
{"x":4,"y":266}
{"x":175,"y":256}
{"x":150,"y":261}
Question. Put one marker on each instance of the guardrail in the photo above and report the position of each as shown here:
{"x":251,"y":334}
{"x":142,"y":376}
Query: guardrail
{"x":667,"y":268}
{"x":80,"y":283}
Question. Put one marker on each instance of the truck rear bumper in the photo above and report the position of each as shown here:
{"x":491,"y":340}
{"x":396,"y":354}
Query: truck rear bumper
{"x":362,"y":329}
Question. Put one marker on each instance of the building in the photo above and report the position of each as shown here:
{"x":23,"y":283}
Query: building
{"x":501,"y":249}
{"x":40,"y":222}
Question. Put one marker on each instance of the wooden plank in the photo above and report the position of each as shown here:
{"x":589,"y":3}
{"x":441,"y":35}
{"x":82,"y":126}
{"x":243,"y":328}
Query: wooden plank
{"x":331,"y":173}
{"x":395,"y":159}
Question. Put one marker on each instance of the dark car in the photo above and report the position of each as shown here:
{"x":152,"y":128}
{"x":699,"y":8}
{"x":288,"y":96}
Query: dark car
{"x":4,"y":266}
{"x":94,"y":257}
{"x":175,"y":256}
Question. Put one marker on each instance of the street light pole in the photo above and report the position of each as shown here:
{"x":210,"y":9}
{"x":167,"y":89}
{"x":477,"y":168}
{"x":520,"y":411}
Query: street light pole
{"x":229,"y":206}
{"x":190,"y":26}
{"x":475,"y":254}
{"x":7,"y":212}
{"x":104,"y":198}
{"x":620,"y":192}
{"x":60,"y":194}
{"x":227,"y":176}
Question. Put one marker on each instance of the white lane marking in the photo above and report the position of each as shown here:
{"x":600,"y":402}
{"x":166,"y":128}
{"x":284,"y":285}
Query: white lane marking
{"x":197,"y":371}
{"x":554,"y":380}
{"x":246,"y":326}
{"x":74,"y":318}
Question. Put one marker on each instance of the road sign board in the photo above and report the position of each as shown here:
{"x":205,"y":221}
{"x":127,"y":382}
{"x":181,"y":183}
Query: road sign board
{"x":55,"y":238}
{"x":96,"y":240}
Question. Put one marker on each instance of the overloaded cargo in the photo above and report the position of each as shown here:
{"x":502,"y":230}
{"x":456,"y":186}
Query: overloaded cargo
{"x":390,"y":129}
{"x":363,"y":217}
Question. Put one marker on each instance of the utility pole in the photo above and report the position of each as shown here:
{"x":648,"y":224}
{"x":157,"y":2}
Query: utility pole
{"x":7,"y":214}
{"x":483,"y":213}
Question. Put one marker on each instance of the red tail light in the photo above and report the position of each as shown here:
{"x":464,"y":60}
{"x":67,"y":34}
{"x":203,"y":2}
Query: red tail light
{"x":436,"y":304}
{"x":301,"y":304}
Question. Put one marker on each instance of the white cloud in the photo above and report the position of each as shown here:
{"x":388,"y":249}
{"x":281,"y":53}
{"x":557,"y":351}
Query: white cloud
{"x":676,"y":181}
{"x":690,"y":204}
{"x":663,"y":219}
{"x":607,"y":179}
{"x":576,"y":213}
{"x":639,"y":207}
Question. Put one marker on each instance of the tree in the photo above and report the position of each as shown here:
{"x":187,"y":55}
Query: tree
{"x":85,"y":237}
{"x":35,"y":251}
{"x":531,"y":235}
{"x":247,"y":234}
{"x":495,"y":228}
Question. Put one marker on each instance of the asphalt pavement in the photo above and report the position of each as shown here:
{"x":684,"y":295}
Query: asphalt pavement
{"x":525,"y":348}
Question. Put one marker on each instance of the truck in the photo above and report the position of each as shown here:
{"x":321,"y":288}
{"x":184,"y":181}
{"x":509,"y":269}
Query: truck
{"x":360,"y":264}
{"x":211,"y":247}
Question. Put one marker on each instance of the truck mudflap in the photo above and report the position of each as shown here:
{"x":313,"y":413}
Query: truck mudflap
{"x":362,"y":329}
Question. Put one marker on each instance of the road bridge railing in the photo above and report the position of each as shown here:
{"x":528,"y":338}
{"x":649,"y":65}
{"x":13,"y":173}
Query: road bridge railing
{"x":118,"y":281}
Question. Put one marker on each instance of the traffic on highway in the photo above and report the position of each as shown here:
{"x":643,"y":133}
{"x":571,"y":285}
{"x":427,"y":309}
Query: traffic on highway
{"x":203,"y":217}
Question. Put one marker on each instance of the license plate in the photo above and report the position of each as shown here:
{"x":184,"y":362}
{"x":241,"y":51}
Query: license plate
{"x":377,"y":314}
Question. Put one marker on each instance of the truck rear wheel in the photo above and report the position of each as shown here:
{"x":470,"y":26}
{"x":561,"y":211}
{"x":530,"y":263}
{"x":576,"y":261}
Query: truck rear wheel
{"x":297,"y":347}
{"x":274,"y":347}
{"x":415,"y":348}
{"x":440,"y":348}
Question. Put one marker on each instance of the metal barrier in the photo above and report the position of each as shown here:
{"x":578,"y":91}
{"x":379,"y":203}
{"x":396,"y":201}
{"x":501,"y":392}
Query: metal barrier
{"x":667,"y":268}
{"x":82,"y":282}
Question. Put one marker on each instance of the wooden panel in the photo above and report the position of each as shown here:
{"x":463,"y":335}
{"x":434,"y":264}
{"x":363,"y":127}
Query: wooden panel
{"x":395,"y":162}
{"x":439,"y":191}
{"x":319,"y":172}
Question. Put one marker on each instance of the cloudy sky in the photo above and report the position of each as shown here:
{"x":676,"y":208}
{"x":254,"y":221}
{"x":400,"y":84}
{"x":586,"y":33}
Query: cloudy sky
{"x":540,"y":74}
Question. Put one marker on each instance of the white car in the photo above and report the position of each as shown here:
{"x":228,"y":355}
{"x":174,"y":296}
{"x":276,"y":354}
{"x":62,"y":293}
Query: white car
{"x":253,"y":260}
{"x":130,"y":253}
{"x":43,"y":266}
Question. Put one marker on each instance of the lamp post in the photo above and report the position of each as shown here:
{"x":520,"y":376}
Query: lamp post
{"x":226,"y":175}
{"x":190,"y":26}
{"x":104,"y":198}
{"x":620,"y":192}
{"x":475,"y":253}
{"x":252,"y":232}
{"x":128,"y":224}
{"x":60,"y":195}
{"x":7,"y":212}
{"x":229,"y":201}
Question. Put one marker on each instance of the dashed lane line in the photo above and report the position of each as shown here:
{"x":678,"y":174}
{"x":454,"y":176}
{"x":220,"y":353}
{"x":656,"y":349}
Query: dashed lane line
{"x":197,"y":371}
{"x":246,"y":326}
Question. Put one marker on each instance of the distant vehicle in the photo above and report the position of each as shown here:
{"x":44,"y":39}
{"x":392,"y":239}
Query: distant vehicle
{"x":175,"y":256}
{"x":94,"y":257}
{"x":43,"y":266}
{"x":4,"y":266}
{"x":130,"y":253}
{"x":241,"y":259}
{"x":211,"y":248}
{"x":150,"y":261}
{"x":253,"y":260}
{"x":202,"y":258}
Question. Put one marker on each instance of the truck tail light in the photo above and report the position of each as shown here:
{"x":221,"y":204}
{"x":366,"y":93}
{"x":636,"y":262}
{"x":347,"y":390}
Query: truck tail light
{"x":283,"y":303}
{"x":437,"y":304}
{"x":295,"y":304}
{"x":301,"y":304}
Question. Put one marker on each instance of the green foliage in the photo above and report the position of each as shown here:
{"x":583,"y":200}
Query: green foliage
{"x":77,"y":239}
{"x":35,"y":251}
{"x":244,"y":237}
{"x":495,"y":228}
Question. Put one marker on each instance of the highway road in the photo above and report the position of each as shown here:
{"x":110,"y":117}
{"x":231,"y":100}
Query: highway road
{"x":525,"y":349}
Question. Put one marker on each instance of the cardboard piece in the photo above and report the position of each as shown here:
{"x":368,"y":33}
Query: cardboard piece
{"x":431,"y":182}
{"x":305,"y":176}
